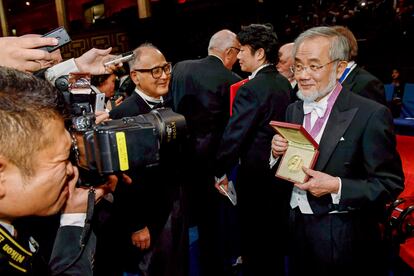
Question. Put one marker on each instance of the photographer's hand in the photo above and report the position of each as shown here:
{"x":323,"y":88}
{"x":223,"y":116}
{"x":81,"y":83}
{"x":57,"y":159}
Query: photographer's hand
{"x":21,"y":53}
{"x":141,"y":238}
{"x":101,"y":116}
{"x":78,"y":197}
{"x":93,"y":61}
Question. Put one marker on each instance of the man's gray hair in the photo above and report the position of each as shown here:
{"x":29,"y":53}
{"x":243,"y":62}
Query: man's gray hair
{"x":221,"y":40}
{"x":339,"y":47}
{"x":138,"y":53}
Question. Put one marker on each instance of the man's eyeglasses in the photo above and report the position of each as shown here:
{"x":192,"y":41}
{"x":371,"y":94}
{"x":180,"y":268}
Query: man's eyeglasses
{"x":314,"y":68}
{"x":235,"y":48}
{"x":156,"y":72}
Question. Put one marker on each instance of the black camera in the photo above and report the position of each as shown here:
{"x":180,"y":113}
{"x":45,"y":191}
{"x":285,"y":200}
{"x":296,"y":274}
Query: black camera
{"x":119,"y":145}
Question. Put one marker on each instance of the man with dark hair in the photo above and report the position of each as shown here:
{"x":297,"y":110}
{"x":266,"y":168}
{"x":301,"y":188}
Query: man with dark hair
{"x":334,"y":216}
{"x":246,"y":141}
{"x":36,"y":177}
{"x":357,"y":79}
{"x":200,"y":91}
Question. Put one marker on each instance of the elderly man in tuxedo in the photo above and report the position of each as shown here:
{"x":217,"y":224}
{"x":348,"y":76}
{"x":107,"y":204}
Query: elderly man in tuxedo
{"x":334,"y":216}
{"x":200,"y":91}
{"x":143,"y":212}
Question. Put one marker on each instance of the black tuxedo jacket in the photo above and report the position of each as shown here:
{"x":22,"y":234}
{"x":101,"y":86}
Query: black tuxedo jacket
{"x":248,"y":135}
{"x":132,"y":106}
{"x":200,"y":91}
{"x":150,"y":195}
{"x":358,"y":145}
{"x":365,"y":84}
{"x":67,"y":247}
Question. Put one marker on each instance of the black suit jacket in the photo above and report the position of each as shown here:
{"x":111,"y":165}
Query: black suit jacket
{"x":365,"y":84}
{"x":358,"y":145}
{"x":149,"y":197}
{"x":132,"y":106}
{"x":248,"y":135}
{"x":67,"y":247}
{"x":200,"y":91}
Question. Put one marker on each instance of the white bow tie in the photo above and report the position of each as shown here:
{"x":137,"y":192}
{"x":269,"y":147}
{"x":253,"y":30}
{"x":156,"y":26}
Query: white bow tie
{"x":319,"y":107}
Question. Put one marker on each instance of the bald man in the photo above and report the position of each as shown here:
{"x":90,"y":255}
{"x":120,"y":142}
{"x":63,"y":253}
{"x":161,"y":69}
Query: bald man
{"x":285,"y":62}
{"x":284,"y":68}
{"x":142,"y":210}
{"x":200,"y":91}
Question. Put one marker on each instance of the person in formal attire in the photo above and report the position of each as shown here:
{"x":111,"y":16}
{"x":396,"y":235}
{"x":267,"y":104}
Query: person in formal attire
{"x":284,"y":68}
{"x":146,"y":212}
{"x":334,"y":216}
{"x":246,"y":141}
{"x":396,"y":100}
{"x":200,"y":91}
{"x":357,"y":79}
{"x":37,"y":179}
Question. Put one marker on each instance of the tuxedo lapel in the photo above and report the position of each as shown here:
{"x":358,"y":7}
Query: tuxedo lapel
{"x":297,"y":114}
{"x":339,"y":120}
{"x":142,"y":105}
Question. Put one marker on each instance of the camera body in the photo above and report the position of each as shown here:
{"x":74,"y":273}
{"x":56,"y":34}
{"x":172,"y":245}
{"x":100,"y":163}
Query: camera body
{"x":124,"y":144}
{"x":119,"y":145}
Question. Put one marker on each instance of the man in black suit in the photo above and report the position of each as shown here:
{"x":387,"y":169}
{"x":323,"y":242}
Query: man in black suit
{"x":37,"y":179}
{"x":246,"y":141}
{"x":144,"y":207}
{"x":200,"y":91}
{"x":335,"y":215}
{"x":357,"y":79}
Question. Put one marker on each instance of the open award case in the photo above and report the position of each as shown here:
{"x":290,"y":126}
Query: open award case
{"x":302,"y":151}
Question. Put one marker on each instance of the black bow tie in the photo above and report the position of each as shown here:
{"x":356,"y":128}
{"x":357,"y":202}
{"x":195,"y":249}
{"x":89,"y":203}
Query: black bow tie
{"x":155,"y":104}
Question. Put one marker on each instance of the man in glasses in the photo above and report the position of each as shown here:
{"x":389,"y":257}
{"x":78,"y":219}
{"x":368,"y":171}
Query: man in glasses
{"x":284,"y":67}
{"x":334,"y":216}
{"x":200,"y":91}
{"x":151,"y":74}
{"x":142,"y":208}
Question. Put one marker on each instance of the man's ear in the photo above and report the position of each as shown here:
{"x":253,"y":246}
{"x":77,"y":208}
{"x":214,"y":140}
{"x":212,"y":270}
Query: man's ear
{"x":260,"y":54}
{"x":341,"y":68}
{"x":134,"y":77}
{"x":3,"y":165}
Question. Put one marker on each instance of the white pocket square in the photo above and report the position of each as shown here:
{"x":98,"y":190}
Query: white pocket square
{"x":342,"y":139}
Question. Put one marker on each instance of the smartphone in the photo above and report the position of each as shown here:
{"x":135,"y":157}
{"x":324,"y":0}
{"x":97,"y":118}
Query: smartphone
{"x":61,"y":35}
{"x":121,"y":58}
{"x":100,"y":102}
{"x":230,"y":193}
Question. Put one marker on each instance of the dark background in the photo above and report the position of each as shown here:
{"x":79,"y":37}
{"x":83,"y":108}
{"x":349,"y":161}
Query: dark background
{"x":182,"y":28}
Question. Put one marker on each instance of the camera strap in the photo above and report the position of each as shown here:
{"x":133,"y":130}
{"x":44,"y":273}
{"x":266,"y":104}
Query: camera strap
{"x":16,"y":255}
{"x":87,"y":229}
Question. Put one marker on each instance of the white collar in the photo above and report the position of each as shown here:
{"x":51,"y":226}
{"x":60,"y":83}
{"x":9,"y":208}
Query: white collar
{"x":254,"y":73}
{"x":148,"y":98}
{"x":8,"y":227}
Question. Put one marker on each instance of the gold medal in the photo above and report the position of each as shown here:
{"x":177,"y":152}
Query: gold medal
{"x":295,"y":164}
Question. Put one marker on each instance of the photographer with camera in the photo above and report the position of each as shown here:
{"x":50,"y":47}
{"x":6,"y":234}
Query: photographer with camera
{"x":37,"y":179}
